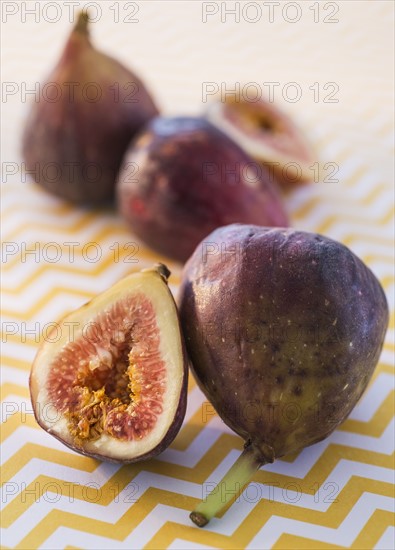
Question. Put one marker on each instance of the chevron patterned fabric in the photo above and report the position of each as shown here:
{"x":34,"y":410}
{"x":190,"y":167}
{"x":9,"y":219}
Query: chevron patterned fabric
{"x":336,"y":494}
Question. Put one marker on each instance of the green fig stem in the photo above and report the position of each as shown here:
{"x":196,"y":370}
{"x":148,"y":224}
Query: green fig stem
{"x":230,"y":486}
{"x":82,"y":23}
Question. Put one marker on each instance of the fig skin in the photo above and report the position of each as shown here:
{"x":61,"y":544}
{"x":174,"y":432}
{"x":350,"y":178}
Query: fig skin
{"x":176,"y":186}
{"x":146,"y":279}
{"x":268,"y":135}
{"x":284,"y":329}
{"x":74,"y":145}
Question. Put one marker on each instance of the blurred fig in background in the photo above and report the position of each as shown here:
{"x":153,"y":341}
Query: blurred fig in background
{"x":268,"y":135}
{"x":182,"y":178}
{"x":88,"y":110}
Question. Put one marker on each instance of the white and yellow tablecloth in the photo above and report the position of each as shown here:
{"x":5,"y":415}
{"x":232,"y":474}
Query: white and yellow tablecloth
{"x":339,"y":58}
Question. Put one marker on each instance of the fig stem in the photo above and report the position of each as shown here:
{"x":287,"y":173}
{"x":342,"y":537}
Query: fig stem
{"x":82,"y":23}
{"x":161,"y":269}
{"x":231,"y":485}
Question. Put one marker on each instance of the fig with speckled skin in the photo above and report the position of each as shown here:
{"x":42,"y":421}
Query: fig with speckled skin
{"x":284,"y":329}
{"x":182,"y":178}
{"x":89,"y":109}
{"x":110,"y":380}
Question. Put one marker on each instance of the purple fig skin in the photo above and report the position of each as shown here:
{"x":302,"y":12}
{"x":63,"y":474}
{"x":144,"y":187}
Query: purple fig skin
{"x":74,"y":144}
{"x":283,"y":329}
{"x":182,"y":178}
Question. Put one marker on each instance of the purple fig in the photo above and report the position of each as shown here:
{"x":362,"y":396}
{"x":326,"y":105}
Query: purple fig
{"x":183,"y":177}
{"x":111,"y":380}
{"x":90,"y":108}
{"x":284,"y":329}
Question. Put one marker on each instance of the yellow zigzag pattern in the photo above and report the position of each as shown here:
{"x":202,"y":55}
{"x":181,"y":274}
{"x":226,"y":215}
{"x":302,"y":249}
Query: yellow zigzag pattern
{"x":320,"y":471}
{"x":264,"y":510}
{"x":146,"y":258}
{"x":358,"y":210}
{"x":170,"y":531}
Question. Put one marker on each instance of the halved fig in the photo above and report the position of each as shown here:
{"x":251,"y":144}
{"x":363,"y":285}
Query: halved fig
{"x":267,"y":134}
{"x":110,"y":380}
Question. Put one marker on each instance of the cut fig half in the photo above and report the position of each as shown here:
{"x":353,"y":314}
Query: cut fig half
{"x":110,"y":380}
{"x":266,"y":134}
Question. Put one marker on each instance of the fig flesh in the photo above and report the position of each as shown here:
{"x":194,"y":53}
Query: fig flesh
{"x":110,"y":382}
{"x":268,"y":135}
{"x":283,"y":329}
{"x":183,"y":177}
{"x":89,"y":109}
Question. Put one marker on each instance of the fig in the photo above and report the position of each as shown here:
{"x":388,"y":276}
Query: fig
{"x":283,"y":329}
{"x":110,"y":379}
{"x":183,"y":177}
{"x":268,"y":135}
{"x":89,"y":109}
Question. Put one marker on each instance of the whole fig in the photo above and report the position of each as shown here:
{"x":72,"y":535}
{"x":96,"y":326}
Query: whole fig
{"x":89,"y":109}
{"x":284,"y":329}
{"x":182,"y":178}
